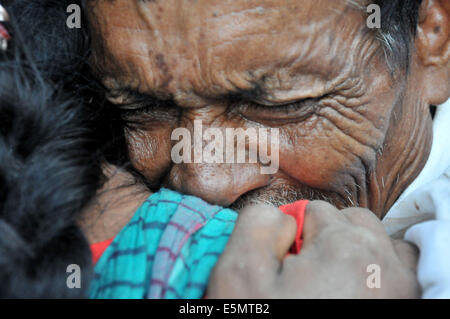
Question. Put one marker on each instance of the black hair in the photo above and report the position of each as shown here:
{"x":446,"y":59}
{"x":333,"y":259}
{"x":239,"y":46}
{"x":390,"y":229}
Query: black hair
{"x":399,"y":20}
{"x":53,"y":128}
{"x":46,"y":177}
{"x":56,"y":130}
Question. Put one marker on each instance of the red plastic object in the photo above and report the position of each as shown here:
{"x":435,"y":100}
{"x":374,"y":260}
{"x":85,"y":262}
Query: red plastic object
{"x":98,"y":249}
{"x":296,"y":210}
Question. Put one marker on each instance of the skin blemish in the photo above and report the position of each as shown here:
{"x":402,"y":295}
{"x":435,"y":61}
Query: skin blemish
{"x":161,"y":64}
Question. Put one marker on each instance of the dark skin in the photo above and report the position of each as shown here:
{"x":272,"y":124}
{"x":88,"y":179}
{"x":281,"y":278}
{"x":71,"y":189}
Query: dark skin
{"x":350,"y":133}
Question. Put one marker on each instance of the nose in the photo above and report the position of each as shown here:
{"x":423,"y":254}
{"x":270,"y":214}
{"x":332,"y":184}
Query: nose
{"x":219,"y":184}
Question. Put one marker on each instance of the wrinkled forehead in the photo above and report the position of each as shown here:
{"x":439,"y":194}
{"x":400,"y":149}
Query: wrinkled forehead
{"x":190,"y":49}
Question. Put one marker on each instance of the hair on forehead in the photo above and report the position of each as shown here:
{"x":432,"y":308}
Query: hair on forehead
{"x":399,"y":20}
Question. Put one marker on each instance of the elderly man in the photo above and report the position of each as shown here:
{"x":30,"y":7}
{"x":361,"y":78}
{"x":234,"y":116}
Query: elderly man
{"x":352,"y":105}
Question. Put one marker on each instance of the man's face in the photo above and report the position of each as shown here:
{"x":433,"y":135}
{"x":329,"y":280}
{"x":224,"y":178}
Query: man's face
{"x":350,"y":133}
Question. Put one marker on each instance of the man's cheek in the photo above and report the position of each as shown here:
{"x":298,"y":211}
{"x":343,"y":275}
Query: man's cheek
{"x":331,"y":160}
{"x":149,"y":152}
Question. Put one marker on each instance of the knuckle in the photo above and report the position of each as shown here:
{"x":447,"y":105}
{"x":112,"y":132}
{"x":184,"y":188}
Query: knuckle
{"x":318,"y":206}
{"x":365,"y":236}
{"x":356,"y":237}
{"x":259,"y":211}
{"x":359,"y":211}
{"x":362,"y":216}
{"x":320,"y":210}
{"x":266,"y":215}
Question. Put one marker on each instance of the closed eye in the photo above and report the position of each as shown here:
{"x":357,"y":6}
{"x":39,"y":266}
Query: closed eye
{"x":291,"y":112}
{"x":140,"y":110}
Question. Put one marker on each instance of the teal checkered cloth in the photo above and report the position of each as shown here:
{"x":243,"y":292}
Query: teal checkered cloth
{"x":167,"y":250}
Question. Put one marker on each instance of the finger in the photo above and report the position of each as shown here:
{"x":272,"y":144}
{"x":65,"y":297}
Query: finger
{"x":363,"y":217}
{"x":319,"y":214}
{"x":266,"y":227}
{"x":251,"y":260}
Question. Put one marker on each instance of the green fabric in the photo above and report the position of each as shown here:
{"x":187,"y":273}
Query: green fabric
{"x":167,"y":250}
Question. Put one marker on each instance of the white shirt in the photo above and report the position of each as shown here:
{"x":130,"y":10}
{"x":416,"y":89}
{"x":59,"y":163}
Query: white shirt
{"x":425,"y":204}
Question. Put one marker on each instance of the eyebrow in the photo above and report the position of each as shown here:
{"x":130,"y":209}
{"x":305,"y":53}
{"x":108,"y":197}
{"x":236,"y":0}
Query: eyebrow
{"x":140,"y":100}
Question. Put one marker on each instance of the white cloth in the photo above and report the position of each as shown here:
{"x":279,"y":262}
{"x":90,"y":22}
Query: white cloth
{"x":428,"y":198}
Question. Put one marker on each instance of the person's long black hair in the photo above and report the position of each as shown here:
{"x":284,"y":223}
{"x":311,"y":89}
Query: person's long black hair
{"x":53,"y":132}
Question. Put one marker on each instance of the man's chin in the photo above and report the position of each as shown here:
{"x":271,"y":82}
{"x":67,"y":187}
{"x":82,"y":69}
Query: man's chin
{"x":282,"y":194}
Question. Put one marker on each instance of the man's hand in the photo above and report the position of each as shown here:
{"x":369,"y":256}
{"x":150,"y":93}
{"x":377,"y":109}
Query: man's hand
{"x":338,"y":247}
